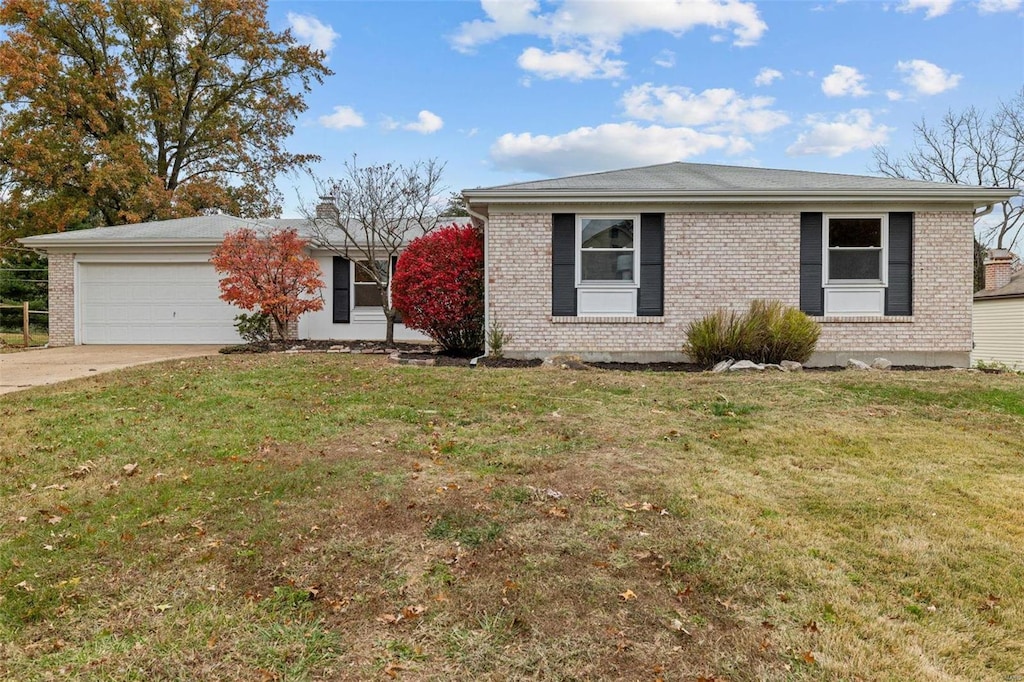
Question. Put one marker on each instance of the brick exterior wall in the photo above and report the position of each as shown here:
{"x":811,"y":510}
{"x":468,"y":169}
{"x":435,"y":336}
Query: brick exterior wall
{"x":62,"y":299}
{"x":724,"y":260}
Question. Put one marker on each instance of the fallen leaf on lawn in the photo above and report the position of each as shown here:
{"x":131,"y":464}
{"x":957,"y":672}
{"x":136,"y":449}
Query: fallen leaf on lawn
{"x":683,"y":593}
{"x":388,"y":618}
{"x":991,"y":602}
{"x":809,"y":658}
{"x":811,"y":626}
{"x":413,"y":611}
{"x":391,"y":669}
{"x":129,"y":469}
{"x":53,"y":486}
{"x":677,"y":626}
{"x":25,"y":586}
{"x":160,"y":608}
{"x":558,"y":512}
{"x":22,"y":519}
{"x":49,"y":548}
{"x":767,"y":626}
{"x":54,"y":520}
{"x":627,"y":595}
{"x":725,"y":603}
{"x":783,"y":597}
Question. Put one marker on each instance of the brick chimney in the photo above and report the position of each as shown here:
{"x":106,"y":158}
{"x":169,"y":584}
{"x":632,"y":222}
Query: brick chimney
{"x":326,"y":210}
{"x":998,"y":269}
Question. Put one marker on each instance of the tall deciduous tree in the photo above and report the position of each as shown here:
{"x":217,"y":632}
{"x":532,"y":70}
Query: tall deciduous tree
{"x":130,"y":110}
{"x":971,"y":147}
{"x":370,"y":214}
{"x":271,"y":273}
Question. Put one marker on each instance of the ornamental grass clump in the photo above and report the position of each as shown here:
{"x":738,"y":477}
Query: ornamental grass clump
{"x":768,"y":332}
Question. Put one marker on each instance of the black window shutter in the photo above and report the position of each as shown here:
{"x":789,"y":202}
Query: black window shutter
{"x":812,"y":294}
{"x":899,"y":299}
{"x":650,"y":298}
{"x":342,"y":281}
{"x":563,"y":264}
{"x":391,"y":279}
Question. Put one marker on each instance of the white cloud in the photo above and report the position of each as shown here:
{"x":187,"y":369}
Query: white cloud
{"x":571,"y":64}
{"x":607,"y":22}
{"x":894,"y":95}
{"x":932,"y":8}
{"x":426,"y":123}
{"x":993,"y":6}
{"x":608,"y":146}
{"x":927,"y":78}
{"x":767,"y":76}
{"x":312,"y":31}
{"x":342,"y":118}
{"x":845,"y":133}
{"x":718,"y":109}
{"x":666,"y":59}
{"x":844,"y":80}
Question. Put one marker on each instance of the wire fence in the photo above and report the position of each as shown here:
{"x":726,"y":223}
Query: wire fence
{"x":29,"y":334}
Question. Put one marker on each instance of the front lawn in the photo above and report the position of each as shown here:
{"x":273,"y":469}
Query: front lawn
{"x":336,"y":517}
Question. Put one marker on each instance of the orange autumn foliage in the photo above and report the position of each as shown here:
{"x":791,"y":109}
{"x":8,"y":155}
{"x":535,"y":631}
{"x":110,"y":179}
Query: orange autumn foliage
{"x":271,"y":273}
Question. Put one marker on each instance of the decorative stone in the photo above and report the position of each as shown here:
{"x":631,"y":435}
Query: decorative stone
{"x":771,"y":365}
{"x":791,"y":366}
{"x":564,"y":362}
{"x":722,"y":366}
{"x":881,"y":363}
{"x":745,"y":364}
{"x":857,"y":364}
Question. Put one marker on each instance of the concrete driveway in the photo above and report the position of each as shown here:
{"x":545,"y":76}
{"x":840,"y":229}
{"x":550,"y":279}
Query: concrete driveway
{"x":30,"y":368}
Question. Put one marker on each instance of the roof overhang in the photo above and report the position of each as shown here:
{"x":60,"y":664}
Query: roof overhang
{"x":977,"y":196}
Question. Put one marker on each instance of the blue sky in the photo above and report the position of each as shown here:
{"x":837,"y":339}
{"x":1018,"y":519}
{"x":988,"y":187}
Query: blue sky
{"x":508,"y":90}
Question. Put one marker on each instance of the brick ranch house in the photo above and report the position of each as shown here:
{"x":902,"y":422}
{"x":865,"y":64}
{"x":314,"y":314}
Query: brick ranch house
{"x":614,"y":265}
{"x":152,"y":283}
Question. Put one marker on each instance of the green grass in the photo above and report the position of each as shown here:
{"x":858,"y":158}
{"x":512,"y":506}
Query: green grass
{"x":14,"y":341}
{"x":326,"y":517}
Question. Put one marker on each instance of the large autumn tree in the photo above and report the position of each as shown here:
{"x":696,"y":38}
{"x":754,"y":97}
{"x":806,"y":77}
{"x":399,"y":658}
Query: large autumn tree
{"x":120,"y":111}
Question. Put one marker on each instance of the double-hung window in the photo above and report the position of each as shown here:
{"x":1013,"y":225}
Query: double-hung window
{"x":365,"y":290}
{"x":855,"y":264}
{"x":607,"y":264}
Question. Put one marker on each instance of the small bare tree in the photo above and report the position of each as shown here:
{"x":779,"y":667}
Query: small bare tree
{"x":971,"y":148}
{"x":370,"y":213}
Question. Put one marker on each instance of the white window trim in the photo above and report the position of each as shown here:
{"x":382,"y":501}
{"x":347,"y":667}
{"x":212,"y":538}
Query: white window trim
{"x":613,"y":283}
{"x":883,"y":253}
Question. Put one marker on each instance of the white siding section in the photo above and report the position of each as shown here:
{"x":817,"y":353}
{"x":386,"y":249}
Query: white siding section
{"x":367,"y":324}
{"x":999,"y":332}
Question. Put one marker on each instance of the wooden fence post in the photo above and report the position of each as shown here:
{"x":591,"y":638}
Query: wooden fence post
{"x":24,"y":323}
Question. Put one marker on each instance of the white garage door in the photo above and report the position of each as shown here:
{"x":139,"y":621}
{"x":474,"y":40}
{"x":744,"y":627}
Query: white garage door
{"x":153,"y":303}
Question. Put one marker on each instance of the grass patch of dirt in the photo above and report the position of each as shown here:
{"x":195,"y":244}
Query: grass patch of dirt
{"x":338,"y":517}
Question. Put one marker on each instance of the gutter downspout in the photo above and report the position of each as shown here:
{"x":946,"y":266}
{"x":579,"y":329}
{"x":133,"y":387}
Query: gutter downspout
{"x":982,"y":214}
{"x":487,"y":288}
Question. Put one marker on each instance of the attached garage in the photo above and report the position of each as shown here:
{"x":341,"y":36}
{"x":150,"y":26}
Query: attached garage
{"x":152,"y":303}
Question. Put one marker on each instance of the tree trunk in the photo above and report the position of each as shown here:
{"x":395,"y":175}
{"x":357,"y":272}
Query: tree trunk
{"x":282,"y":330}
{"x":389,"y":315}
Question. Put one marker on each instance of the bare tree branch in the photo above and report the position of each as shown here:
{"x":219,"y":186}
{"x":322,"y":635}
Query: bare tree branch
{"x":370,"y":213}
{"x":968,"y":148}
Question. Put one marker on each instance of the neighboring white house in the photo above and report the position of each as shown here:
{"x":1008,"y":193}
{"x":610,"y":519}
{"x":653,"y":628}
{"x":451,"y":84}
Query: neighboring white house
{"x":152,"y":283}
{"x":999,"y":314}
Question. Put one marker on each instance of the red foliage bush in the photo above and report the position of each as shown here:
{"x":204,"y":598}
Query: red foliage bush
{"x":439,"y":287}
{"x":270,"y":273}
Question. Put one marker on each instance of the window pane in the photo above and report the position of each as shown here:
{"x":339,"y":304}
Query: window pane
{"x":855,"y":264}
{"x":367,"y":295}
{"x":853,"y":232}
{"x":363,"y":276}
{"x":607,"y":266}
{"x":607,"y":233}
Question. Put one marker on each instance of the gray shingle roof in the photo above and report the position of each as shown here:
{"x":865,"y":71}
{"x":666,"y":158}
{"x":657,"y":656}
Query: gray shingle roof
{"x":196,"y":230}
{"x":1015,"y":289}
{"x":696,"y":178}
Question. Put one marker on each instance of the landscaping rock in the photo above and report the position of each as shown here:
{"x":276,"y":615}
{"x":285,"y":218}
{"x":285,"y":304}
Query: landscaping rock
{"x":771,"y":365}
{"x":722,"y":366}
{"x":881,"y":363}
{"x":791,"y":366}
{"x":857,"y":364}
{"x":564,"y":362}
{"x":745,"y":364}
